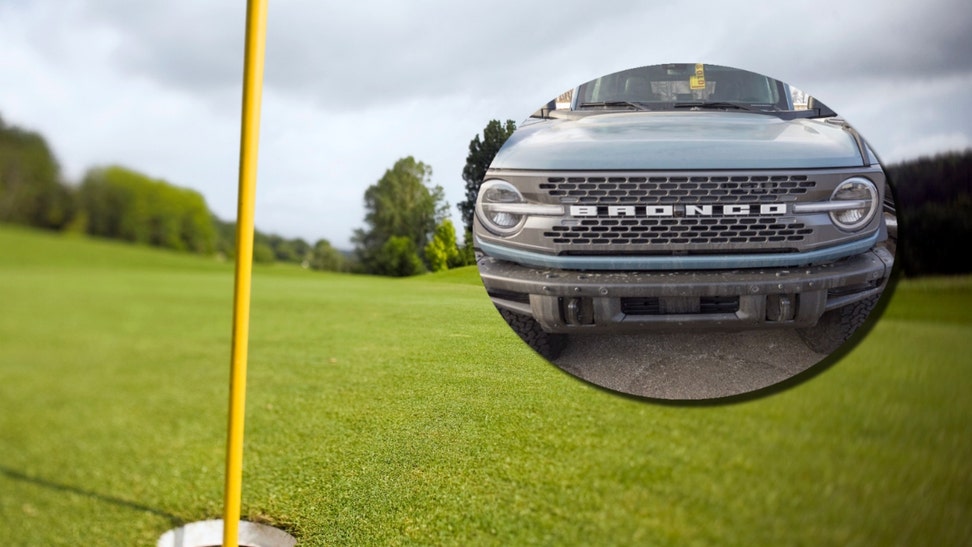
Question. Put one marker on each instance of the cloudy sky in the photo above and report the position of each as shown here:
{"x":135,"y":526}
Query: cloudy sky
{"x":351,"y":87}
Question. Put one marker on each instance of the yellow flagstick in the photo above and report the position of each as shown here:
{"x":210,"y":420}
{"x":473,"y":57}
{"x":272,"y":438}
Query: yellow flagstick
{"x":256,"y":27}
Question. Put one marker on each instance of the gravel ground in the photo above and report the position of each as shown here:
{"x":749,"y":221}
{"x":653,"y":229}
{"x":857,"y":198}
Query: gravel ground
{"x":687,"y":366}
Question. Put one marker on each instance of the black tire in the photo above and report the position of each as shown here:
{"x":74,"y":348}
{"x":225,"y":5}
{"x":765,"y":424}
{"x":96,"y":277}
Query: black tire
{"x":548,"y":345}
{"x":837,"y":326}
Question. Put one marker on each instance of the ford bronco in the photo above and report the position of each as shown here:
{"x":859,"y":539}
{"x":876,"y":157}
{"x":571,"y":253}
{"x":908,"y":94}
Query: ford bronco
{"x":684,"y":196}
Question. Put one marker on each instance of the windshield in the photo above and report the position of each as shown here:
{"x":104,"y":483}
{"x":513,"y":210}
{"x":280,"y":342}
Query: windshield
{"x":679,"y":86}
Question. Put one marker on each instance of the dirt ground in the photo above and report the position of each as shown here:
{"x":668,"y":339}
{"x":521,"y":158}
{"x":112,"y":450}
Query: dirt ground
{"x":687,"y":366}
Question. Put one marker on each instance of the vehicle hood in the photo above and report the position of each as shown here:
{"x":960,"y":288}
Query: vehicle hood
{"x":678,"y":140}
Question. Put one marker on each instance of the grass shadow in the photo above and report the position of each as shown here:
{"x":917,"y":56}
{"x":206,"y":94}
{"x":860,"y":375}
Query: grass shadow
{"x":57,"y":487}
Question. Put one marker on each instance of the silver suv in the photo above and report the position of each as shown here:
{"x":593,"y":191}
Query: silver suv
{"x":684,"y":196}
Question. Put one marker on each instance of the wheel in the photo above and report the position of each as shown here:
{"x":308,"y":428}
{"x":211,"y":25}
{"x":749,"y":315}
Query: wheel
{"x":836,"y":326}
{"x":548,"y":345}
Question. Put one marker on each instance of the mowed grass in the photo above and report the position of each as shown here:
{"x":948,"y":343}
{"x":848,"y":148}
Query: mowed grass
{"x":395,"y":412}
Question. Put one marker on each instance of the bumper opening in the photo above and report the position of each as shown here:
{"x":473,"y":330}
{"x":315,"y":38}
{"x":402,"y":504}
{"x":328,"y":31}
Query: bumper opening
{"x":679,"y":304}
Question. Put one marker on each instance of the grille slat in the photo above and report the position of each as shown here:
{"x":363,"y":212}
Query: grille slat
{"x":739,"y":230}
{"x":694,"y":189}
{"x":662,"y":306}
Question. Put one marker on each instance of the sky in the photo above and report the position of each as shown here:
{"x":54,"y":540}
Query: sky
{"x":351,"y":87}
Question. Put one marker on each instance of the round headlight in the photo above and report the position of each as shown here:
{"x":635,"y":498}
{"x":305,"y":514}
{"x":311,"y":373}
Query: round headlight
{"x":859,"y":202}
{"x":493,"y":207}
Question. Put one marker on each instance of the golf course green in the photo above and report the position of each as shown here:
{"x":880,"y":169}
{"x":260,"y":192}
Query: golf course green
{"x":403,"y":411}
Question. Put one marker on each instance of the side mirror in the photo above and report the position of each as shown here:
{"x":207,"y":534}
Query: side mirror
{"x":823,"y":111}
{"x":544,"y":111}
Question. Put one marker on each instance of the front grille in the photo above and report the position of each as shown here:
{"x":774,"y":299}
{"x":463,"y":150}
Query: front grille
{"x":677,"y":189}
{"x":679,"y":232}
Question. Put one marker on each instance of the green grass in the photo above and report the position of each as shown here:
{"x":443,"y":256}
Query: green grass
{"x":391,"y":412}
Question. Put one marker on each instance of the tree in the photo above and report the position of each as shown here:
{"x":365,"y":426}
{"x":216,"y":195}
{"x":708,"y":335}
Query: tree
{"x":327,"y":258}
{"x":442,"y":252}
{"x":263,"y":253}
{"x":934,"y":205}
{"x":295,"y":251}
{"x":225,"y":237}
{"x":402,"y":204}
{"x":302,"y":250}
{"x":31,"y":191}
{"x":481,"y":154}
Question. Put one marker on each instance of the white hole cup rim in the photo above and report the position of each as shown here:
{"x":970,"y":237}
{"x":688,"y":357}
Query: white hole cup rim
{"x":210,"y":532}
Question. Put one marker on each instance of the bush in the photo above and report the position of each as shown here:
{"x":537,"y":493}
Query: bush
{"x":398,"y":258}
{"x":442,"y":252}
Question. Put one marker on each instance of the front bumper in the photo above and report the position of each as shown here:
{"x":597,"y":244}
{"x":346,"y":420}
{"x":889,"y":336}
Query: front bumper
{"x":577,"y":301}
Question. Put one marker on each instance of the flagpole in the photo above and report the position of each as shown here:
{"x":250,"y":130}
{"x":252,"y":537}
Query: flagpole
{"x":256,"y":23}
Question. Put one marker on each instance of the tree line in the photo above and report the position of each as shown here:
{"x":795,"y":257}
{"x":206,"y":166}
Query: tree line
{"x":406,"y":226}
{"x":934,"y":206}
{"x":119,"y":203}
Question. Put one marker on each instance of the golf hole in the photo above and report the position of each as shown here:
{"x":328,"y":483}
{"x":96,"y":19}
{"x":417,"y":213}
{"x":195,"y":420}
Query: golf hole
{"x":209,"y":533}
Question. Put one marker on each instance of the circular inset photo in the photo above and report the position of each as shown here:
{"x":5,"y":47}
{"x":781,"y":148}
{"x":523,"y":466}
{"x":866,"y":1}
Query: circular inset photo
{"x":685,"y":231}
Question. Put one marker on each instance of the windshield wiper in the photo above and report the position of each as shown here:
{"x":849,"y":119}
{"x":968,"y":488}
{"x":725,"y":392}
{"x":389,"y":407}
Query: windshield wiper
{"x":720,"y":105}
{"x":823,"y":112}
{"x":614,"y":104}
{"x":807,"y":114}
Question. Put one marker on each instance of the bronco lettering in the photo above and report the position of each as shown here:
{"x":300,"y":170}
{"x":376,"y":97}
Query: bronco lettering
{"x":677,"y":210}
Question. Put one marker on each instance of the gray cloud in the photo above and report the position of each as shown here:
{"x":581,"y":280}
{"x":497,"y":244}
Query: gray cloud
{"x":196,"y":46}
{"x":357,"y":54}
{"x":351,"y":54}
